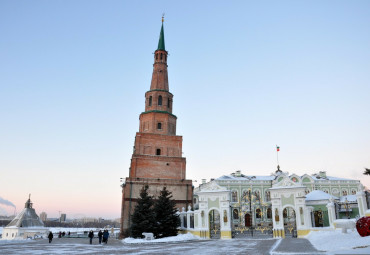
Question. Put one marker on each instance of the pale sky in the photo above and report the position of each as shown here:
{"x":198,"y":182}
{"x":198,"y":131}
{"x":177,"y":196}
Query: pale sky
{"x":246,"y":75}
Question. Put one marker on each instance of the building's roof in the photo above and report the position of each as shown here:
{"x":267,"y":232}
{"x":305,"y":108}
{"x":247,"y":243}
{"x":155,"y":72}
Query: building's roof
{"x":161,"y":39}
{"x":245,"y":177}
{"x":26,"y":218}
{"x":319,"y":195}
{"x":331,"y":178}
{"x":350,"y":198}
{"x":315,"y":177}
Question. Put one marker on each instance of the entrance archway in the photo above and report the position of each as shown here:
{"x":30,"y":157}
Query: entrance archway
{"x":290,"y":224}
{"x":248,"y":220}
{"x":214,"y":224}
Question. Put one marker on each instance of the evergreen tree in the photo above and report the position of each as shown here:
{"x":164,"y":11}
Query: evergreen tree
{"x":167,"y":220}
{"x":367,"y":171}
{"x":143,"y":219}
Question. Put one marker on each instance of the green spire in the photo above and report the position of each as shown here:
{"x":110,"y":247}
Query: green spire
{"x":161,"y":39}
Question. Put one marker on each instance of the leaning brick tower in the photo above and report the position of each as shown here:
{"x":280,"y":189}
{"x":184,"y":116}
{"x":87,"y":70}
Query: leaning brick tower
{"x":157,"y":158}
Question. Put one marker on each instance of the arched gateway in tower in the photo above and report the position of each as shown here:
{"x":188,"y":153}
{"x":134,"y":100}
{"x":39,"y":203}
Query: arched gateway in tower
{"x":157,"y":158}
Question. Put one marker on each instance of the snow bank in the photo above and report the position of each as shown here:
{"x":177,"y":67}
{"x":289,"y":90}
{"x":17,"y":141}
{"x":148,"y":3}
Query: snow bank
{"x":337,"y":241}
{"x":178,"y":238}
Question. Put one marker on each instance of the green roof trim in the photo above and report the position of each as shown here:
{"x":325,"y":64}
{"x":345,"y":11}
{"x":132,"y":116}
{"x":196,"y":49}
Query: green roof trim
{"x":160,"y":112}
{"x":161,"y":40}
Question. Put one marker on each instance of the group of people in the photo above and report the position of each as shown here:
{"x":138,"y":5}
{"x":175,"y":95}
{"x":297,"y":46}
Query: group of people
{"x":101,"y":235}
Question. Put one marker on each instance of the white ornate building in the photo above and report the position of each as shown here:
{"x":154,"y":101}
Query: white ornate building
{"x":238,"y":205}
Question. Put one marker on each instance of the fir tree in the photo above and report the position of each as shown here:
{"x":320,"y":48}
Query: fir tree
{"x":167,"y":220}
{"x":143,"y":219}
{"x":367,"y":171}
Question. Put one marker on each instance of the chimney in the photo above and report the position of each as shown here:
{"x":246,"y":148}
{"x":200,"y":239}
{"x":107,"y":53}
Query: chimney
{"x":204,"y":181}
{"x":238,"y":173}
{"x":322,"y":174}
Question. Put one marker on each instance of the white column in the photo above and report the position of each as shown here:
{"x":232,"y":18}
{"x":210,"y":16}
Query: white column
{"x":361,"y":201}
{"x":188,"y":213}
{"x":331,"y":212}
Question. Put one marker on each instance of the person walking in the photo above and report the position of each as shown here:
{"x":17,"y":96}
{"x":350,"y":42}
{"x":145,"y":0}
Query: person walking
{"x":105,"y":236}
{"x":50,"y":236}
{"x":91,"y":236}
{"x":100,"y":235}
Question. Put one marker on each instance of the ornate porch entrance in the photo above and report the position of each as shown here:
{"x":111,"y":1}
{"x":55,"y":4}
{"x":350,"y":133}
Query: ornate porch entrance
{"x":214,"y":224}
{"x":290,"y":224}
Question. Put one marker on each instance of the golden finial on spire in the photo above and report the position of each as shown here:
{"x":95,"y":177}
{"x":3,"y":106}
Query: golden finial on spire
{"x":162,"y":17}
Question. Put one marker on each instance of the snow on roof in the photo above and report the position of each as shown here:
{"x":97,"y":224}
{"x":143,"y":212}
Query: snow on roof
{"x":245,"y":177}
{"x":331,"y":178}
{"x":318,"y":195}
{"x":26,"y":218}
{"x":350,"y":198}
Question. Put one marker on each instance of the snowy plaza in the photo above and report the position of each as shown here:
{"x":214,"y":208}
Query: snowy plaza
{"x":323,"y":242}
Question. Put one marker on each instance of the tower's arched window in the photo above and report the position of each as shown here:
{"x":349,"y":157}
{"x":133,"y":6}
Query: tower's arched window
{"x":161,"y":56}
{"x":168,"y":103}
{"x":150,"y":101}
{"x":160,"y":100}
{"x":159,"y":125}
{"x":165,"y":57}
{"x":156,"y":56}
{"x":158,"y":152}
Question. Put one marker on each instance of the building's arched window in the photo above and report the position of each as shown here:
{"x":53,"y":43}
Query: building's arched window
{"x":258,"y":213}
{"x":159,"y":125}
{"x":158,"y":152}
{"x":245,"y":196}
{"x":267,"y":195}
{"x":257,"y":195}
{"x":168,"y":103}
{"x":156,"y":56}
{"x":235,"y":214}
{"x":161,"y":56}
{"x":353,"y":192}
{"x":344,"y":192}
{"x":150,"y":101}
{"x":269,"y":213}
{"x":160,"y":100}
{"x":234,"y":196}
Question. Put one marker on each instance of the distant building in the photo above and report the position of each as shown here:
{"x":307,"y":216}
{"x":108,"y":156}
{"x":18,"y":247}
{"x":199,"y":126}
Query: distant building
{"x":63,"y":217}
{"x":87,"y":219}
{"x":43,"y":216}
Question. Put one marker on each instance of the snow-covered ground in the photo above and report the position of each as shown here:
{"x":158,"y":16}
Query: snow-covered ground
{"x":335,"y":242}
{"x":73,"y":230}
{"x":178,"y":238}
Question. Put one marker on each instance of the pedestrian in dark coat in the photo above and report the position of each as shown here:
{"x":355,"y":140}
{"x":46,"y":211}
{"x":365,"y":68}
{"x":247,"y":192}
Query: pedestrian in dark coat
{"x":105,"y":236}
{"x":50,"y":236}
{"x":100,"y":235}
{"x":91,"y":236}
